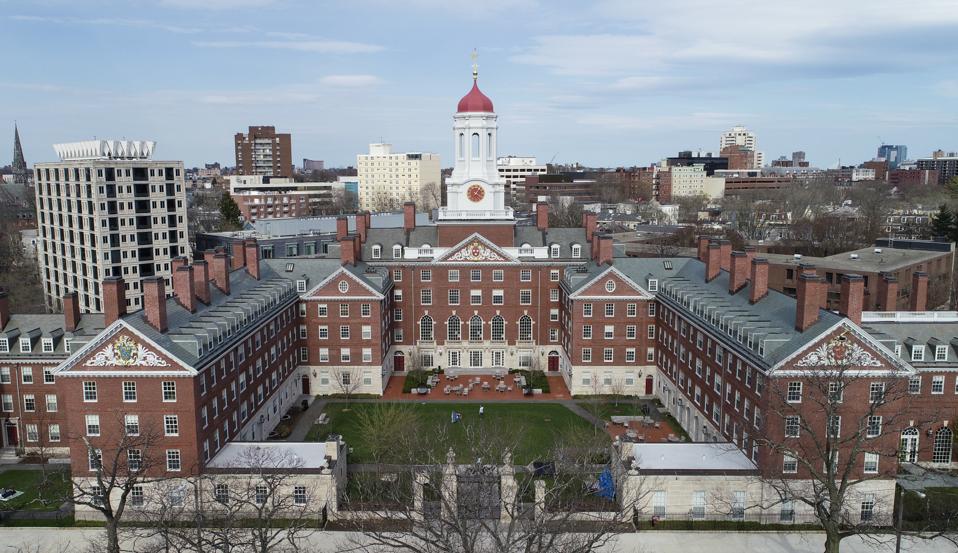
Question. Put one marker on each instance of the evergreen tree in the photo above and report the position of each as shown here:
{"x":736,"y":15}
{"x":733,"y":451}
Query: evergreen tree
{"x":229,"y":213}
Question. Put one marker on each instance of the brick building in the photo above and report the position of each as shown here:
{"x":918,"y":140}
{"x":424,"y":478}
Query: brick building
{"x":263,"y":151}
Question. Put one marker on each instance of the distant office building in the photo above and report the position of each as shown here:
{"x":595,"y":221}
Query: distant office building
{"x":568,"y":187}
{"x":107,"y":209}
{"x":260,"y":197}
{"x":797,"y":160}
{"x":264,"y":152}
{"x":388,"y":179}
{"x":893,"y":154}
{"x":310,"y":165}
{"x":350,"y":186}
{"x":740,"y":136}
{"x":691,"y":180}
{"x":744,"y":184}
{"x":880,"y":166}
{"x":907,"y":178}
{"x":739,"y":157}
{"x":514,"y":170}
{"x":945,"y":164}
{"x":708,"y":162}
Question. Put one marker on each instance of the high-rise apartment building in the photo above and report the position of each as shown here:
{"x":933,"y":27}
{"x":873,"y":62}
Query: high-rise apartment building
{"x":894,"y":154}
{"x":107,"y":209}
{"x":946,"y":164}
{"x":264,"y":152}
{"x":740,"y":136}
{"x":514,"y":170}
{"x":388,"y":179}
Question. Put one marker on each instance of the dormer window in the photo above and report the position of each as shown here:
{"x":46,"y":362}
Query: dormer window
{"x":554,"y":250}
{"x":653,"y":285}
{"x":25,"y":345}
{"x":397,"y":251}
{"x":48,"y":345}
{"x":898,"y":350}
{"x":918,"y":353}
{"x":377,"y":251}
{"x":941,"y":353}
{"x":425,"y":250}
{"x":301,"y":285}
{"x":66,"y":345}
{"x":4,"y":345}
{"x":525,"y":249}
{"x":576,"y":251}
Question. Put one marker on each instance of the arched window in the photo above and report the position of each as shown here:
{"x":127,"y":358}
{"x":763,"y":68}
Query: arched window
{"x":475,"y":329}
{"x":397,"y":251}
{"x":377,"y":251}
{"x":475,"y":145}
{"x":498,"y":328}
{"x":576,"y":251}
{"x":554,"y":250}
{"x":525,"y":328}
{"x":454,"y":329}
{"x":941,"y":453}
{"x":909,"y":445}
{"x":425,"y":328}
{"x":462,"y":146}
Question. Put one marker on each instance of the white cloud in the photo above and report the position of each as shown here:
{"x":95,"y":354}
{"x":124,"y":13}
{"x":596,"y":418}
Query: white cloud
{"x":107,"y":21}
{"x":350,"y":81}
{"x":947,"y":88}
{"x":216,"y":4}
{"x":321,"y":46}
{"x":702,"y":120}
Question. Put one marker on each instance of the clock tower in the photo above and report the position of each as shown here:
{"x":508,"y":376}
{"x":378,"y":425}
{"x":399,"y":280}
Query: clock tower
{"x":474,"y":191}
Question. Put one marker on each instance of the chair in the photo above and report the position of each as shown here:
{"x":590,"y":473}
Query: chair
{"x":509,"y":388}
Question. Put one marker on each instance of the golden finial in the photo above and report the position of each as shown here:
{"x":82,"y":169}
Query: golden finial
{"x":475,"y":66}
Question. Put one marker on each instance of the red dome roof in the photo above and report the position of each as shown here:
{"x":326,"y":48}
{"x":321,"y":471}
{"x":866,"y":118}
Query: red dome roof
{"x":475,"y":101}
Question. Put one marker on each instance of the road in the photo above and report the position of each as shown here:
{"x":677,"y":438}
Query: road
{"x":68,"y":540}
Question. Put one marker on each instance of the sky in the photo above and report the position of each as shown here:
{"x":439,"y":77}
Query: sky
{"x":603,"y":83}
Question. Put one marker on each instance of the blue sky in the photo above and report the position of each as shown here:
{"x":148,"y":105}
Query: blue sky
{"x":609,"y":82}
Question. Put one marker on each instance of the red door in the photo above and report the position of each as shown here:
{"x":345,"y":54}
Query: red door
{"x":648,"y":385}
{"x":305,"y":381}
{"x":553,"y":362}
{"x":12,"y":440}
{"x":399,"y":362}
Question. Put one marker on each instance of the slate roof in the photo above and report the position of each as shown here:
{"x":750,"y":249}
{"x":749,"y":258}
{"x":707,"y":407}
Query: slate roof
{"x":564,"y":237}
{"x":48,"y":326}
{"x":911,"y":329}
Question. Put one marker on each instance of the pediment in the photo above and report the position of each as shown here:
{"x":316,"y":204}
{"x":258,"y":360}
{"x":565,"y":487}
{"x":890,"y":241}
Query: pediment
{"x":846,"y":348}
{"x":610,"y":284}
{"x":343,"y":284}
{"x":121,"y":350}
{"x":476,"y":249}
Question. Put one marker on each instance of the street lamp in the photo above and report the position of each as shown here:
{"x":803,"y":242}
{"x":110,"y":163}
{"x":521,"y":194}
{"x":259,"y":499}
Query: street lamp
{"x":901,"y":511}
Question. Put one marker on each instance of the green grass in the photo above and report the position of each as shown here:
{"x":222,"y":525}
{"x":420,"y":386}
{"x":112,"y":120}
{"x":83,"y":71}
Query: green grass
{"x":607,"y":409}
{"x":937,"y":511}
{"x":36,"y":496}
{"x":533,"y":425}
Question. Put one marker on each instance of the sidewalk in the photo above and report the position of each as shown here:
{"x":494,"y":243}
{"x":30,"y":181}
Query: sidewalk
{"x":306,"y":420}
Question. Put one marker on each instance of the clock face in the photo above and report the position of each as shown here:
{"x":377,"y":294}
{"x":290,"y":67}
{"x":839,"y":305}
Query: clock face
{"x":475,"y":193}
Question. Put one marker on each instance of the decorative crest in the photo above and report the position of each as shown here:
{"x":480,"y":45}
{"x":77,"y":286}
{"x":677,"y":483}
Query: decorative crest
{"x":124,"y":352}
{"x":476,"y":251}
{"x":839,"y":352}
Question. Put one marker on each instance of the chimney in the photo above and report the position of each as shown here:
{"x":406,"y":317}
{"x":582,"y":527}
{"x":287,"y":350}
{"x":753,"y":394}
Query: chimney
{"x":409,"y":216}
{"x":738,"y":275}
{"x":918,"y":301}
{"x":542,"y":216}
{"x":759,"y":279}
{"x":703,"y":246}
{"x":154,"y":302}
{"x":71,"y":312}
{"x":347,"y":251}
{"x":589,"y":221}
{"x":342,"y":227}
{"x":175,"y":264}
{"x":201,"y":279}
{"x":725,"y":254}
{"x":208,"y":256}
{"x":853,"y":297}
{"x":887,"y":299}
{"x":114,"y":299}
{"x":808,"y":301}
{"x":749,"y":255}
{"x":604,"y":254}
{"x":251,"y":247}
{"x":4,"y":309}
{"x":239,"y":255}
{"x":221,"y":272}
{"x":184,"y":287}
{"x":807,"y":269}
{"x":712,"y":262}
{"x":361,"y":227}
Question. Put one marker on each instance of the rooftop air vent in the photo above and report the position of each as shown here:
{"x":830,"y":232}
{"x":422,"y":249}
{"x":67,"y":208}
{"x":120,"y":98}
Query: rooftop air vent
{"x":797,"y":256}
{"x":853,"y":256}
{"x":877,"y":250}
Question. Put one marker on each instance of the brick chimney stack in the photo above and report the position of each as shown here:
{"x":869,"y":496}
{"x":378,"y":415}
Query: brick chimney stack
{"x":703,"y":248}
{"x":114,"y":299}
{"x":808,"y":302}
{"x":184,"y":287}
{"x":221,"y":272}
{"x":887,"y":299}
{"x":342,"y":227}
{"x":409,"y":216}
{"x":239,"y":255}
{"x":361,"y":227}
{"x":542,"y":216}
{"x":759,"y":280}
{"x":347,"y":251}
{"x":154,"y":302}
{"x":71,"y":312}
{"x":603,"y":253}
{"x":251,"y":247}
{"x":725,"y":249}
{"x":176,"y":263}
{"x":749,"y":254}
{"x":4,"y":309}
{"x":590,"y":222}
{"x":713,"y":263}
{"x":853,"y":297}
{"x":918,"y":301}
{"x":738,"y":275}
{"x":201,"y":279}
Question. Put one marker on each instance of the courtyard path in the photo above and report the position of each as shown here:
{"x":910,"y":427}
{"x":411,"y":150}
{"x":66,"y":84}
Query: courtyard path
{"x":306,"y":420}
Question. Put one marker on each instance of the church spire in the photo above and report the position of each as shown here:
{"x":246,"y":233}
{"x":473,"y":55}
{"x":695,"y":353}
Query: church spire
{"x":20,"y":175}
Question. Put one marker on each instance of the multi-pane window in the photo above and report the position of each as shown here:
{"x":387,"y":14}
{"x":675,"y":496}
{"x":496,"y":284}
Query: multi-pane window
{"x":835,"y":392}
{"x":525,"y":328}
{"x":525,"y":275}
{"x":914,"y":384}
{"x":609,"y":332}
{"x":498,"y":328}
{"x":792,"y":426}
{"x":498,"y":275}
{"x":871,"y":463}
{"x":586,"y":309}
{"x":876,"y":392}
{"x":425,"y":296}
{"x":260,"y":494}
{"x":453,"y":329}
{"x":453,"y":296}
{"x":610,"y":310}
{"x":169,"y":390}
{"x":48,"y":377}
{"x":453,"y":275}
{"x":299,"y":495}
{"x":33,"y":433}
{"x":631,"y":310}
{"x":366,"y":309}
{"x":650,"y":332}
{"x":941,"y":450}
{"x":29,"y":403}
{"x":221,"y":493}
{"x":344,"y":310}
{"x":794,"y":392}
{"x":586,"y":355}
{"x":475,"y":297}
{"x":525,"y":297}
{"x":475,"y":275}
{"x":425,"y":328}
{"x":132,"y":425}
{"x":630,"y":355}
{"x":344,"y":332}
{"x":586,"y":332}
{"x":52,"y":403}
{"x":89,"y":391}
{"x":92,"y":425}
{"x":554,"y":294}
{"x":129,"y":391}
{"x":95,"y":458}
{"x":475,"y":328}
{"x":134,"y":459}
{"x":630,"y":332}
{"x":834,"y":426}
{"x":171,"y":425}
{"x":173,"y":460}
{"x":938,"y":384}
{"x":607,"y":355}
{"x":425,"y":275}
{"x":27,"y":373}
{"x":789,"y":464}
{"x":868,"y":507}
{"x":498,"y":297}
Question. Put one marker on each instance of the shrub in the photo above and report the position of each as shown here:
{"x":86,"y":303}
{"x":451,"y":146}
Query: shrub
{"x":416,"y":378}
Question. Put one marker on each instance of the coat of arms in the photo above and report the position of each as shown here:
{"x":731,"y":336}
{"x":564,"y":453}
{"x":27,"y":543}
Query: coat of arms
{"x":125,"y":352}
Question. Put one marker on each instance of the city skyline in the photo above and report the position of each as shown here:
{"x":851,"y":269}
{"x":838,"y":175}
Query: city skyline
{"x":612,"y":84}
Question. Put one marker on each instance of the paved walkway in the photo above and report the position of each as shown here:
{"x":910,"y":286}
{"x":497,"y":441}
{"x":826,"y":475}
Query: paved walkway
{"x":557,"y":387}
{"x":306,"y":420}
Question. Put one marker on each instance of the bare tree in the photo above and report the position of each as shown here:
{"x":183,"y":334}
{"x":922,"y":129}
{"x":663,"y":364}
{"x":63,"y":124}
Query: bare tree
{"x":430,"y":196}
{"x":836,"y":436}
{"x":348,"y":382}
{"x":690,"y":206}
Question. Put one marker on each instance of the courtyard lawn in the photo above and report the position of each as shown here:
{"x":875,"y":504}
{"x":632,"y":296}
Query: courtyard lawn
{"x":49,"y":498}
{"x":607,"y":408}
{"x":535,"y":424}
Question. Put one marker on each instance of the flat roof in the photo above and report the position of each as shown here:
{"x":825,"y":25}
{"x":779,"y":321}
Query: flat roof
{"x":889,"y":259}
{"x":690,"y":457}
{"x":270,"y":455}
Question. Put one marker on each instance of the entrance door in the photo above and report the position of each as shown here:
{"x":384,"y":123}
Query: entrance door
{"x":305,"y":384}
{"x":399,"y":361}
{"x":553,"y":360}
{"x":648,"y":385}
{"x":12,"y":440}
